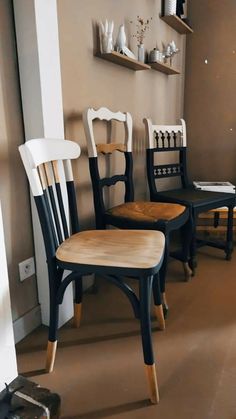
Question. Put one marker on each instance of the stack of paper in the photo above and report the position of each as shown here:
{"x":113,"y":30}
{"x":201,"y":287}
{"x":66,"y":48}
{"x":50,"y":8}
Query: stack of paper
{"x":215,"y":186}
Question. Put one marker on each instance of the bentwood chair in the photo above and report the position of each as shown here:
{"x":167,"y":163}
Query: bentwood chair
{"x":110,"y":253}
{"x":130,"y":214}
{"x":169,"y":142}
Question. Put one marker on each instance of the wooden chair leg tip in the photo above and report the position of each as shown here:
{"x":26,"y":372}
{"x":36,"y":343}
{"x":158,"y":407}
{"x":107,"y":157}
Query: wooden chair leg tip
{"x":77,"y":314}
{"x":160,"y":317}
{"x":152,"y":383}
{"x":51,"y":355}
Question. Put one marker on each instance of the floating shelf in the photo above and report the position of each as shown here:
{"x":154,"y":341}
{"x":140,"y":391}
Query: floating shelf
{"x":164,"y":68}
{"x":120,"y":59}
{"x":176,"y":23}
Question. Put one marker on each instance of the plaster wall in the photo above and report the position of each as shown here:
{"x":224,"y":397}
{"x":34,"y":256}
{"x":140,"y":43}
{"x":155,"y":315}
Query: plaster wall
{"x":14,"y":193}
{"x":210,"y":99}
{"x":88,"y":81}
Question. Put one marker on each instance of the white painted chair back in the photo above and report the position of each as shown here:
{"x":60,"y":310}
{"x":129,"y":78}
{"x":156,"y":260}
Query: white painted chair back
{"x":40,"y":151}
{"x":165,"y":132}
{"x":104,"y":114}
{"x":47,"y":163}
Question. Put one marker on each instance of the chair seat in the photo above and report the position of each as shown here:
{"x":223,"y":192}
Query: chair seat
{"x":147,"y":211}
{"x":138,"y":249}
{"x":197,"y":198}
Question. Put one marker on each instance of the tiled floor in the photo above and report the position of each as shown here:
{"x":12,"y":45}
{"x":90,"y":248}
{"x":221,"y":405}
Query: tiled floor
{"x":99,"y":367}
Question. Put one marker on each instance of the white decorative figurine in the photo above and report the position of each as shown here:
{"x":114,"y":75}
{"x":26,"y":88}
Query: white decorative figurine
{"x":169,"y":51}
{"x":121,"y":39}
{"x":106,"y":31}
{"x":121,"y":43}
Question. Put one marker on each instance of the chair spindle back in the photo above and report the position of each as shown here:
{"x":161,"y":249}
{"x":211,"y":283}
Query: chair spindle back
{"x":163,"y":139}
{"x":48,"y":167}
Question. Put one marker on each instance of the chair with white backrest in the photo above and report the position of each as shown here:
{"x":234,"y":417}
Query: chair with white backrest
{"x":163,"y":140}
{"x":164,"y":217}
{"x":112,"y":254}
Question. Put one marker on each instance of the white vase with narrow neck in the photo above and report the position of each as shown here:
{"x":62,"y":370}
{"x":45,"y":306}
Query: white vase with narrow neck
{"x":141,"y":53}
{"x":170,"y":7}
{"x":121,"y":38}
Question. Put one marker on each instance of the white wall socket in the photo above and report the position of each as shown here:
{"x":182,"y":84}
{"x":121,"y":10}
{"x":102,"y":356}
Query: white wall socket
{"x":26,"y":268}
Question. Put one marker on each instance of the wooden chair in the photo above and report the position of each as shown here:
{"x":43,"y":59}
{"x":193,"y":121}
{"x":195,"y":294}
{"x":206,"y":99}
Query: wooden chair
{"x":110,"y":253}
{"x":131,"y":214}
{"x":163,"y":140}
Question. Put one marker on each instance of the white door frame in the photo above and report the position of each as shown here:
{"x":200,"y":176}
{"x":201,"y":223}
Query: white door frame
{"x":8,"y":367}
{"x":40,"y":78}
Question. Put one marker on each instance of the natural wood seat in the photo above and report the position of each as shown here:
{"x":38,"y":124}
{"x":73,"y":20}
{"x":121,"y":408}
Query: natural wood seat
{"x":108,"y":247}
{"x":147,"y":211}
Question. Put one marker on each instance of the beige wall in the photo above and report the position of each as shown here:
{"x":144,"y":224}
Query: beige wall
{"x":90,"y":81}
{"x":210,"y":99}
{"x":14,"y":192}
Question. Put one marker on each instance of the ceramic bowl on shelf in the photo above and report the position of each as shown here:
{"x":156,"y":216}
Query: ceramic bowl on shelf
{"x":155,"y":55}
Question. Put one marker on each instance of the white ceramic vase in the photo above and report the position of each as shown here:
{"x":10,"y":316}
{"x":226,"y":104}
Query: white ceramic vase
{"x":106,"y":42}
{"x":141,"y":53}
{"x":170,"y":7}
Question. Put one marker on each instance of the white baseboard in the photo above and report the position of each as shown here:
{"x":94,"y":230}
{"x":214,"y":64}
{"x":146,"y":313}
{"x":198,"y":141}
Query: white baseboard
{"x":32,"y":319}
{"x":27,"y":323}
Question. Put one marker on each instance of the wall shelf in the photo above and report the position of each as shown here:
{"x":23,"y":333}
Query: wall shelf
{"x":164,"y":68}
{"x":120,"y":59}
{"x":178,"y":24}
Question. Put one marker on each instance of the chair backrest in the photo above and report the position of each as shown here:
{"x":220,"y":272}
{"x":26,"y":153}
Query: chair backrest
{"x":107,"y":147}
{"x":165,"y":139}
{"x":49,"y":171}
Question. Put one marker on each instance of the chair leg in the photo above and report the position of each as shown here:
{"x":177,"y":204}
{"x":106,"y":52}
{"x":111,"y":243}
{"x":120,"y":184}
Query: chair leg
{"x":187,"y":271}
{"x":152,"y":382}
{"x":145,"y":294}
{"x":53,"y":326}
{"x":229,"y":238}
{"x":51,"y":355}
{"x":193,"y":245}
{"x":186,"y":235}
{"x":160,"y":316}
{"x":163,"y":271}
{"x":77,"y":314}
{"x":164,"y":304}
{"x":78,"y":301}
{"x":158,"y":302}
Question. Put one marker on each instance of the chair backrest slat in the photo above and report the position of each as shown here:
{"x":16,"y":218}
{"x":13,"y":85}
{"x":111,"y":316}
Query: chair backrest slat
{"x":167,"y":170}
{"x":60,"y":199}
{"x":110,"y":148}
{"x":54,"y":204}
{"x":111,"y":181}
{"x":42,"y":159}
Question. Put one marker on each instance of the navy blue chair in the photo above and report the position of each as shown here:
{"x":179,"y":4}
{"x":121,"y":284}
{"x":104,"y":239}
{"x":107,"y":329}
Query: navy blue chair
{"x":167,"y":158}
{"x":112,"y":254}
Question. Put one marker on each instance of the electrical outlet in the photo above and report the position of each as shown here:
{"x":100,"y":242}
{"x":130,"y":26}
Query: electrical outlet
{"x":26,"y":268}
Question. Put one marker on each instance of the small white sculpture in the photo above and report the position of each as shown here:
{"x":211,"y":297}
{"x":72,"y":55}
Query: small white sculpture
{"x":169,"y":51}
{"x":121,"y":39}
{"x":121,"y":43}
{"x":106,"y":31}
